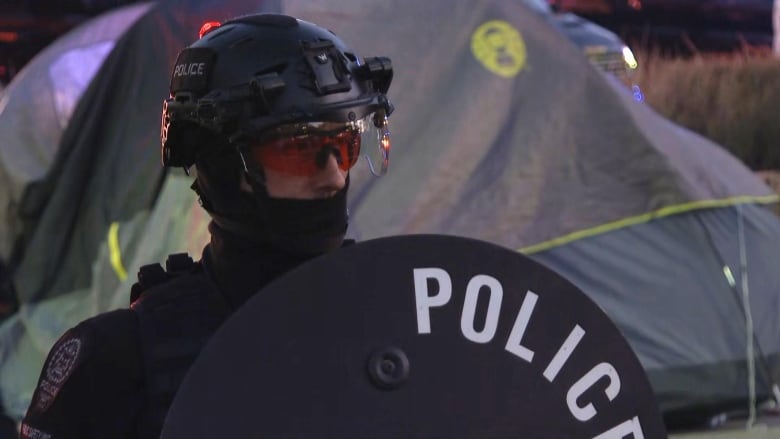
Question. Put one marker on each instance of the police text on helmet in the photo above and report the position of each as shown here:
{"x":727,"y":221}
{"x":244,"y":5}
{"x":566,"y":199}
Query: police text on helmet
{"x":191,"y":69}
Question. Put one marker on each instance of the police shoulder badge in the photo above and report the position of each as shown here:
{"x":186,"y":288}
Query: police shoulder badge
{"x":62,"y":361}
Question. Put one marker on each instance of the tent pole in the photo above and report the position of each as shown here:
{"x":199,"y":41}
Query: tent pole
{"x":749,"y":329}
{"x":753,"y":347}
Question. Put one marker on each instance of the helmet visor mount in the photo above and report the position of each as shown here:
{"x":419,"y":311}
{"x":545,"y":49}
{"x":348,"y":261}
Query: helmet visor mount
{"x":303,"y":149}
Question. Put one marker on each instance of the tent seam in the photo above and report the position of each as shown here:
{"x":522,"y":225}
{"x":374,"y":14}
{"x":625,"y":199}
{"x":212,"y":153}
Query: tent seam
{"x":647,"y":217}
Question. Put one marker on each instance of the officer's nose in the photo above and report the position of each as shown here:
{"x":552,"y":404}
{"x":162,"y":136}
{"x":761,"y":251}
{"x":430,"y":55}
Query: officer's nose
{"x":330,"y":178}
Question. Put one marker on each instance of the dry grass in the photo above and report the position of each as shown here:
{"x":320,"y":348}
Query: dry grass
{"x":732,"y":99}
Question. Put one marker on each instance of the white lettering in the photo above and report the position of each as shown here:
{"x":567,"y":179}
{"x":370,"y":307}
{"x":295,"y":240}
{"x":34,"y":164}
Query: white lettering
{"x":33,"y":433}
{"x":424,"y":302}
{"x":630,"y":427}
{"x":191,"y":69}
{"x":470,"y":308}
{"x":518,"y":330}
{"x":587,"y":381}
{"x":563,"y":353}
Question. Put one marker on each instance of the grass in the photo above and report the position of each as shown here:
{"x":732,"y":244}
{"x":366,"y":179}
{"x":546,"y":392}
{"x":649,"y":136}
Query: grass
{"x":733,"y":99}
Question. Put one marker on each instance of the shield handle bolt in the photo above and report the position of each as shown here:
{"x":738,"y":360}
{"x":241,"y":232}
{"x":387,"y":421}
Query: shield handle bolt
{"x":388,"y":368}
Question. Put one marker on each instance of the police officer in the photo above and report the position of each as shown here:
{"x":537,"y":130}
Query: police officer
{"x":272,"y":112}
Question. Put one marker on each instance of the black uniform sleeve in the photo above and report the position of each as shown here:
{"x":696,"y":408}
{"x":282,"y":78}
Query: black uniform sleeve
{"x":91,"y":384}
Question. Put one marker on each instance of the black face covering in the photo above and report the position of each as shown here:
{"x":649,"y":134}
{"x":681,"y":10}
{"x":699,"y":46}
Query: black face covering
{"x":306,"y":227}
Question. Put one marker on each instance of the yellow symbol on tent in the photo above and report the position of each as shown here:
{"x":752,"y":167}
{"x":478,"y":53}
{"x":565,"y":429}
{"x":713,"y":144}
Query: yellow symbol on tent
{"x":499,"y":47}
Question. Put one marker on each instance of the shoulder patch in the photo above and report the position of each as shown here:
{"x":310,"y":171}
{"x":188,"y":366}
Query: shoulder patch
{"x":28,"y":432}
{"x":63,"y":359}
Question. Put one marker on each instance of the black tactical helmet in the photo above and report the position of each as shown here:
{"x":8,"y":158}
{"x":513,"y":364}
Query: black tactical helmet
{"x":260,"y":71}
{"x":268,"y":81}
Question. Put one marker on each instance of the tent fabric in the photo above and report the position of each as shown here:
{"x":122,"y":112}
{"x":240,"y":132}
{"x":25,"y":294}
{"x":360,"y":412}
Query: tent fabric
{"x":95,"y":185}
{"x":517,"y":160}
{"x":176,"y":223}
{"x":649,"y":216}
{"x":96,"y":146}
{"x":103,"y":169}
{"x":664,"y":286}
{"x":37,"y":106}
{"x":636,"y":210}
{"x":519,"y":143}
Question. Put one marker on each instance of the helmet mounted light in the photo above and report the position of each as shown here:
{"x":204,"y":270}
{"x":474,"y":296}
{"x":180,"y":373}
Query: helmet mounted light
{"x":208,"y":27}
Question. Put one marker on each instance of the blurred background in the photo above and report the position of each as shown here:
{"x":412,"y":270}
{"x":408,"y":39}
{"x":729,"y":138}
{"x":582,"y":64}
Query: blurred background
{"x":83,"y":184}
{"x":724,"y":46}
{"x":27,"y":26}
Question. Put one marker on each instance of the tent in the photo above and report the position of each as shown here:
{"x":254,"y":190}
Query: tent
{"x":81,"y":175}
{"x":503,"y":132}
{"x":661,"y":227}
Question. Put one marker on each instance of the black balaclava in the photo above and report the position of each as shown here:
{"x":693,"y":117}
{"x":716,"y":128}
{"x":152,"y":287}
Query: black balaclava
{"x":305,"y":227}
{"x":256,"y":238}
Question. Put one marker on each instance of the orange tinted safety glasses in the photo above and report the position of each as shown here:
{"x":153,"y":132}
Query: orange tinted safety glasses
{"x":306,"y":155}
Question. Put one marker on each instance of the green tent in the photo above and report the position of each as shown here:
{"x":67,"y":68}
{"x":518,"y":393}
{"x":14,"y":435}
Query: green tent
{"x":503,"y":132}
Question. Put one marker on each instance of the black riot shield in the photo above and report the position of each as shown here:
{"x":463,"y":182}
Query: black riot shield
{"x":417,"y":337}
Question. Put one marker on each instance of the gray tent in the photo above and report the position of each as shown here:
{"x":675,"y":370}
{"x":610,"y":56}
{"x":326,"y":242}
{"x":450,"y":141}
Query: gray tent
{"x":661,"y":227}
{"x":80,"y":175}
{"x":503,"y":132}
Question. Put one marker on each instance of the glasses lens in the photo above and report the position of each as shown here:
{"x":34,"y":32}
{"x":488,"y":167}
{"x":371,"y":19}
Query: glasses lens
{"x":375,"y":141}
{"x":304,"y":149}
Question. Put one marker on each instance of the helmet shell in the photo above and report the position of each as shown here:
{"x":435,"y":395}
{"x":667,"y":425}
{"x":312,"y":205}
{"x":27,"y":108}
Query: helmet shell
{"x":258,"y":71}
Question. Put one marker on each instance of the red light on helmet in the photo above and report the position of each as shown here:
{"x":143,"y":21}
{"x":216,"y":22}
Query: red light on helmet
{"x":8,"y":37}
{"x":208,"y":27}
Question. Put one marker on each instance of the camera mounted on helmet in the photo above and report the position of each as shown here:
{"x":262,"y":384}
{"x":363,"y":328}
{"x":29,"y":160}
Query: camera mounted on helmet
{"x":254,"y":80}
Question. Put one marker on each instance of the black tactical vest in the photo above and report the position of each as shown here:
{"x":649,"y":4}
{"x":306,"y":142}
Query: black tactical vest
{"x":178,"y":310}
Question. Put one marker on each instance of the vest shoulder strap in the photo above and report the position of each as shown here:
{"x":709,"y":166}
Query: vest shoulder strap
{"x":153,"y":274}
{"x":178,"y":310}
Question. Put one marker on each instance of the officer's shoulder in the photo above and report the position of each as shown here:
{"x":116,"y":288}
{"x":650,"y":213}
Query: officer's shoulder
{"x":153,"y":279}
{"x":99,"y":353}
{"x":118,"y":320}
{"x":105,"y":328}
{"x":110,"y":328}
{"x":108,"y":331}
